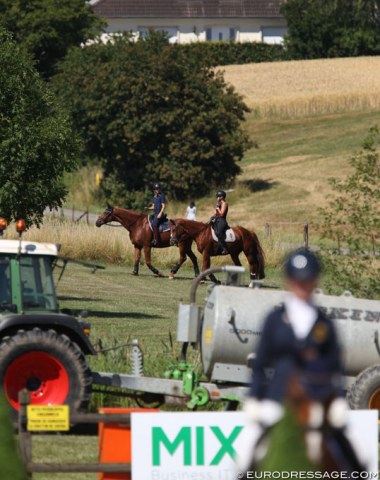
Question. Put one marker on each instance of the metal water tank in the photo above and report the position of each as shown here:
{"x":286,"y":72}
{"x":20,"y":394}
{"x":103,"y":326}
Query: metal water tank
{"x":232,"y":324}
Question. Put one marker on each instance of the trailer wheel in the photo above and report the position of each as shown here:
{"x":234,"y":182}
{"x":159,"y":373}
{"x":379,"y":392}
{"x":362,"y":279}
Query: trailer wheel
{"x":364,"y":393}
{"x":49,"y":365}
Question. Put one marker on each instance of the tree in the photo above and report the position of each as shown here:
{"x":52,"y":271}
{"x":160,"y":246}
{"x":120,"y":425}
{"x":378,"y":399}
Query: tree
{"x":150,"y":112}
{"x":48,"y":28}
{"x":37,"y":143}
{"x":332,"y":28}
{"x":353,"y":220}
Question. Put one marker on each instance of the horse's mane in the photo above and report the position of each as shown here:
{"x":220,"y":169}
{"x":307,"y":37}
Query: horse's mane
{"x":134,"y":212}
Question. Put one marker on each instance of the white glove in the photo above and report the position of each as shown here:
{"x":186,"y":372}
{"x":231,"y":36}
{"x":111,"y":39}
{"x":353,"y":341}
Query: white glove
{"x":337,"y":413}
{"x":265,"y":412}
{"x":270,"y":412}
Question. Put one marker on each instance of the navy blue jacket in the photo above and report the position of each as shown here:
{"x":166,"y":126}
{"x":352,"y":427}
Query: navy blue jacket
{"x":316,"y":359}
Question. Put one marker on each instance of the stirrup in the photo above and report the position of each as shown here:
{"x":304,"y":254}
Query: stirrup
{"x":154,"y":243}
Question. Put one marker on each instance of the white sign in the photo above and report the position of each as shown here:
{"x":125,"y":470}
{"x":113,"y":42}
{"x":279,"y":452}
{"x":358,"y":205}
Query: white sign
{"x":204,"y":445}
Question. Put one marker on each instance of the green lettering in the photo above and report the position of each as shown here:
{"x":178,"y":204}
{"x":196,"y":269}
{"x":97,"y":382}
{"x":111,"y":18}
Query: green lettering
{"x":159,"y":436}
{"x":226,"y":444}
{"x":200,"y":445}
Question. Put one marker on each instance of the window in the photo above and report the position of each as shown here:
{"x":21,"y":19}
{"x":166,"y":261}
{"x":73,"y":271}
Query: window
{"x":232,"y":34}
{"x":208,"y":34}
{"x":37,"y":283}
{"x":220,"y":36}
{"x":5,"y":283}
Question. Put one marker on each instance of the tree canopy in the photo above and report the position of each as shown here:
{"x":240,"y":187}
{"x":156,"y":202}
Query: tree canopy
{"x":332,"y":28}
{"x":352,"y":220}
{"x":149,"y":112}
{"x":48,"y":28}
{"x":37,"y":143}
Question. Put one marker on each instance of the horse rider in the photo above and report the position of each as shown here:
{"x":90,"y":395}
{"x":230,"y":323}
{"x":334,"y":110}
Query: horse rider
{"x":158,"y":207}
{"x":219,"y":221}
{"x":300,"y":343}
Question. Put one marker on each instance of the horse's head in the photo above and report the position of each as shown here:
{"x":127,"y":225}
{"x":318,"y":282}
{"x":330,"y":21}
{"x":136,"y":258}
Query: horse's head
{"x":106,"y":217}
{"x":176,"y":233}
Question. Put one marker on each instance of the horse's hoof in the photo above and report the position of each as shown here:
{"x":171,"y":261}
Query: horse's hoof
{"x":202,"y":282}
{"x":171,"y":277}
{"x":134,"y":274}
{"x":159,"y":274}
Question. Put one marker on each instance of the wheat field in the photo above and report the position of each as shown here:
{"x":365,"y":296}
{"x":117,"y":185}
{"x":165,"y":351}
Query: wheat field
{"x":308,"y":87}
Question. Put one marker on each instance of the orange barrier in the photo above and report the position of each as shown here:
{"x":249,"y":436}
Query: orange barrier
{"x":115,"y":442}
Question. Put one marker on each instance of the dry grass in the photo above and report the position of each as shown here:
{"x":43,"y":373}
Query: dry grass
{"x":112,"y":245}
{"x":308,"y":87}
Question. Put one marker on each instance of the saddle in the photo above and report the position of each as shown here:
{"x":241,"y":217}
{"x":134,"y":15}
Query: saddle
{"x":163,"y":225}
{"x":230,"y":235}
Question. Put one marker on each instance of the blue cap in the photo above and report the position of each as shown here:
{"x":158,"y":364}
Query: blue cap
{"x":302,"y":265}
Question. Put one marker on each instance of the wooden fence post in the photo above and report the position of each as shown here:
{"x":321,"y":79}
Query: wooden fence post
{"x":24,"y":436}
{"x":268,"y":231}
{"x":373,"y":245}
{"x":306,"y":236}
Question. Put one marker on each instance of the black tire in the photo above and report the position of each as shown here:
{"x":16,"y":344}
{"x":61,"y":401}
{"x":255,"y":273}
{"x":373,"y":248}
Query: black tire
{"x":37,"y":343}
{"x":364,"y":393}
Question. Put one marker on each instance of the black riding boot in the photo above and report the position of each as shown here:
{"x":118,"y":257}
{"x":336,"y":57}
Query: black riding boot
{"x":222,"y":247}
{"x":156,"y":237}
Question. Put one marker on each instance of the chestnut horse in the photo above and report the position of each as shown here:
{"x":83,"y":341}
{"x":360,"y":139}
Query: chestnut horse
{"x":246,"y":242}
{"x":141,"y":237}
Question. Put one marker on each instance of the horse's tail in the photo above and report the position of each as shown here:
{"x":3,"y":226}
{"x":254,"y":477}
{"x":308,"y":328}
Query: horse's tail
{"x":260,"y":255}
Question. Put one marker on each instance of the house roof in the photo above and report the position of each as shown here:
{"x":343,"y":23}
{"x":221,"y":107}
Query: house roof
{"x":188,"y":8}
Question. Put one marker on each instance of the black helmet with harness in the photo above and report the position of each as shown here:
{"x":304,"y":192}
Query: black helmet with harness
{"x":220,"y":193}
{"x":156,"y":186}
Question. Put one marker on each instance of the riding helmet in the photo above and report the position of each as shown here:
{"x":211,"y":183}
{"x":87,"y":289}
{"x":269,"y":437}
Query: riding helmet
{"x":302,"y":265}
{"x":220,"y":193}
{"x":156,"y":186}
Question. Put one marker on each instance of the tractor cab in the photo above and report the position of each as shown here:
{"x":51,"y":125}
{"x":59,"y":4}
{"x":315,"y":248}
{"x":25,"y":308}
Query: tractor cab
{"x":26,"y":277}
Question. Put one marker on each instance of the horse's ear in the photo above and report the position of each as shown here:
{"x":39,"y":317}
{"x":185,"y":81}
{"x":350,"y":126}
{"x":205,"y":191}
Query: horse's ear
{"x":109,"y":207}
{"x":173,"y":222}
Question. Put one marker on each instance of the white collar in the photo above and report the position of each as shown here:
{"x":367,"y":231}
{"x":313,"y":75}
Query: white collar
{"x":302,"y":315}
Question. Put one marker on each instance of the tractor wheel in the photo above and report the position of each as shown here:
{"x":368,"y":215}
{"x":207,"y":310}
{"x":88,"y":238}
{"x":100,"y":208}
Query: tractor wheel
{"x":49,"y":365}
{"x":364,"y":393}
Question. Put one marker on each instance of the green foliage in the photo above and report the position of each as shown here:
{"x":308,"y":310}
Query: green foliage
{"x":353,"y":219}
{"x":37,"y":143}
{"x":48,"y":28}
{"x":332,"y":28}
{"x":234,"y":53}
{"x":148,"y":111}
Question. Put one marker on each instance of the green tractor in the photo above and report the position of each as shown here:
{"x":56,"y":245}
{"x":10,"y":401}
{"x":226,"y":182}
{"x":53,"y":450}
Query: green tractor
{"x":41,"y":348}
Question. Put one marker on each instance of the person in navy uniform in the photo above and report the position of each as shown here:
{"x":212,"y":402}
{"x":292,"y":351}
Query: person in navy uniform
{"x":158,"y":207}
{"x":300,"y":343}
{"x":219,"y":221}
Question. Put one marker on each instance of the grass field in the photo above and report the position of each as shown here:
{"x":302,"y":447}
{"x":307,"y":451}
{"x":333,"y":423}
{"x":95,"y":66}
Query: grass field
{"x":286,"y":177}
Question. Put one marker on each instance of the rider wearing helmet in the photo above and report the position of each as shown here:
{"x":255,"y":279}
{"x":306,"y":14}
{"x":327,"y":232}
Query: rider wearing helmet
{"x":158,"y":207}
{"x":219,"y":221}
{"x":299,"y":342}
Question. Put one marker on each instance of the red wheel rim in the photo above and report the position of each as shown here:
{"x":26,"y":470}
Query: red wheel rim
{"x":42,"y":374}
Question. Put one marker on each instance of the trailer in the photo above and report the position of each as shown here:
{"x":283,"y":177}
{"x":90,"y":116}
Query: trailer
{"x":45,"y":350}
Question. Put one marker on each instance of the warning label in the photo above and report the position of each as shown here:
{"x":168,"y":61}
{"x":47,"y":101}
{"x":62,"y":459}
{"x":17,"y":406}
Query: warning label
{"x":48,"y":417}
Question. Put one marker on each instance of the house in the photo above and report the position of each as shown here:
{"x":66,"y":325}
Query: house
{"x":197,"y":20}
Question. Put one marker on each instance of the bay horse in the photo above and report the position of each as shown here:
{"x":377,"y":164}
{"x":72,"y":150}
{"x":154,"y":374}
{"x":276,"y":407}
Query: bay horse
{"x":141,"y":237}
{"x":246,"y":242}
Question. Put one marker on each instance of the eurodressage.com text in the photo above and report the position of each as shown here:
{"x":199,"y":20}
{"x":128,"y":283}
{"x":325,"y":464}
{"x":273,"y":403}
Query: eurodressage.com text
{"x":308,"y":475}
